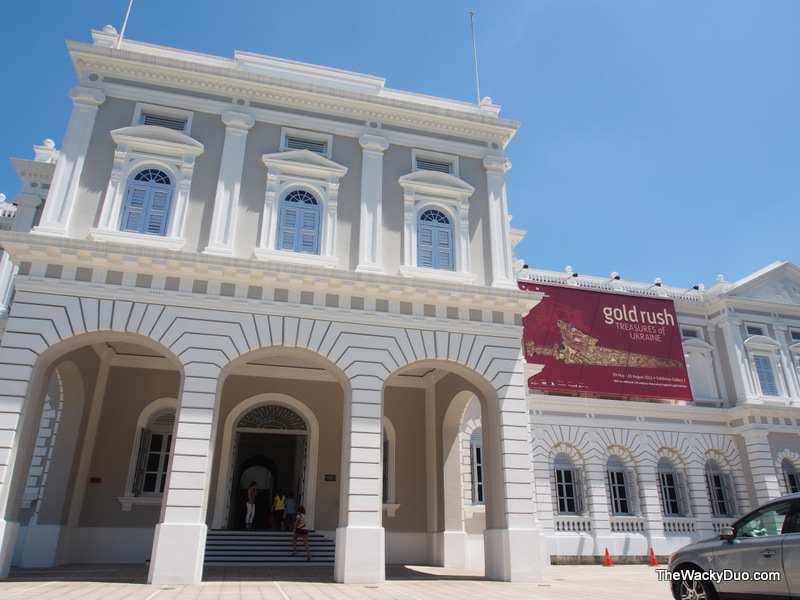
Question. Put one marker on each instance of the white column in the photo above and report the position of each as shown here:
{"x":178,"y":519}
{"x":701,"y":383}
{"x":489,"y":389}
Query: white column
{"x":651,"y":507}
{"x":762,"y":464}
{"x":597,"y":500}
{"x":698,"y":496}
{"x":57,"y":209}
{"x":499,"y":225}
{"x":360,"y":545}
{"x":514,"y":547}
{"x":27,"y":204}
{"x":734,"y":349}
{"x":180,"y":537}
{"x":370,"y":230}
{"x":787,"y":364}
{"x":226,"y":201}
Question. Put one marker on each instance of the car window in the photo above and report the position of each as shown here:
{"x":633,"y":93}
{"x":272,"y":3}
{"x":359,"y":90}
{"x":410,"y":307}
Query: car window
{"x":766,"y":521}
{"x":792,"y":522}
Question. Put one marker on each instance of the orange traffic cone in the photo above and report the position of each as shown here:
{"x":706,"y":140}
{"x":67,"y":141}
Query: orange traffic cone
{"x":607,"y":562}
{"x":653,"y":561}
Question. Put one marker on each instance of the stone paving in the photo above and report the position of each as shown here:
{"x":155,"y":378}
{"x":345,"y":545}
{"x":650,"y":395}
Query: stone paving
{"x":128,"y":582}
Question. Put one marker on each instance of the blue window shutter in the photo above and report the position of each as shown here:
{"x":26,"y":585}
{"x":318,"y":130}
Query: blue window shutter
{"x":158,"y":214}
{"x":425,"y":246}
{"x":287,"y":229}
{"x":309,"y":242}
{"x":299,"y":223}
{"x":147,"y":204}
{"x":765,"y":376}
{"x":444,"y":248}
{"x":434,"y":241}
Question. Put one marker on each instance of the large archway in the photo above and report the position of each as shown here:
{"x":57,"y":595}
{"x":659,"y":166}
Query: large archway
{"x":77,"y":442}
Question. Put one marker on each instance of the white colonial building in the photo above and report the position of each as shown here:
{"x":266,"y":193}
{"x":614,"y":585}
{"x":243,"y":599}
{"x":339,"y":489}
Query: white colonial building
{"x":256,"y":269}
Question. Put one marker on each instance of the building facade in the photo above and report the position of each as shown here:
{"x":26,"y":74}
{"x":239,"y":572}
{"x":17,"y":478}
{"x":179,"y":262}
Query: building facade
{"x":252,"y":269}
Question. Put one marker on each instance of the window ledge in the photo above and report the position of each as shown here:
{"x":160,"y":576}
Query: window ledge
{"x":470,"y":510}
{"x":128,"y":501}
{"x":438,"y":274}
{"x":390,"y":509}
{"x":138,"y":239}
{"x":297,"y":258}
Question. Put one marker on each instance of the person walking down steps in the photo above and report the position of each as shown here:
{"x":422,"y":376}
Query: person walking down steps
{"x":301,"y":528}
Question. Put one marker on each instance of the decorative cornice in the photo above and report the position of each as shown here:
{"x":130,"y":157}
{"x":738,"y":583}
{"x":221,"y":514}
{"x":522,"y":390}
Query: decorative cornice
{"x":200,"y":74}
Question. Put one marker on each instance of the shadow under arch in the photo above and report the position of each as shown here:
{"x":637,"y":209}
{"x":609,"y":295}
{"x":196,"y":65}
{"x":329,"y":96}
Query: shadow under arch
{"x":80,"y":362}
{"x":221,"y":506}
{"x":273,"y":362}
{"x":449,"y":387}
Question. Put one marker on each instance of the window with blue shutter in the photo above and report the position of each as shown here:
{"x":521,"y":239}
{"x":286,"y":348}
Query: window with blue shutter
{"x":766,"y":377}
{"x":299,"y":223}
{"x":434,"y":240}
{"x":147,"y":203}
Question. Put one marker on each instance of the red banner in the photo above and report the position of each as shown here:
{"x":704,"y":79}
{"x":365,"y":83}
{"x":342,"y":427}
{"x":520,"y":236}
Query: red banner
{"x":605,"y":343}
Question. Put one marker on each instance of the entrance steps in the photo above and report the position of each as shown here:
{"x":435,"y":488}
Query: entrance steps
{"x":254,"y":548}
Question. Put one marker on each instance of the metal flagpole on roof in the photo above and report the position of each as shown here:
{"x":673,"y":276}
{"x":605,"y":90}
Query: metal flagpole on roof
{"x":124,"y":24}
{"x":475,"y":58}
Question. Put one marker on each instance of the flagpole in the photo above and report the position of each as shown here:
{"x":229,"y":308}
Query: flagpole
{"x":124,"y":24}
{"x":475,"y":58}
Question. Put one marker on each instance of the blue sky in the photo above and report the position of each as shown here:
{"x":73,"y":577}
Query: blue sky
{"x":658,"y":138}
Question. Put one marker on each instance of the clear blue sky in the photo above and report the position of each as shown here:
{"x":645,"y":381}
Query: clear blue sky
{"x":658,"y":138}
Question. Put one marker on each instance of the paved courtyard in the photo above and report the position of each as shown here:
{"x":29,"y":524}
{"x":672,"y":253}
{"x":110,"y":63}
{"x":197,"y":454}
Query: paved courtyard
{"x":128,"y":582}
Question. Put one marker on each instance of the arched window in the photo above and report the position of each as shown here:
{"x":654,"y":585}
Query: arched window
{"x":147,"y":203}
{"x":622,"y":488}
{"x":790,"y":476}
{"x":672,"y":490}
{"x":720,"y":490}
{"x":155,"y":445}
{"x":434,"y":240}
{"x":476,"y":455}
{"x":569,"y":486}
{"x":299,"y":222}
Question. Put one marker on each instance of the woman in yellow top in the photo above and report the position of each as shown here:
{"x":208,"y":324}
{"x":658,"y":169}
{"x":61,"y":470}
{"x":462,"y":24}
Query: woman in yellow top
{"x":278,"y":506}
{"x":301,"y":528}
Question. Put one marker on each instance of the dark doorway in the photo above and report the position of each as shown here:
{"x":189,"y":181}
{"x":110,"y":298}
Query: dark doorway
{"x":275,"y":462}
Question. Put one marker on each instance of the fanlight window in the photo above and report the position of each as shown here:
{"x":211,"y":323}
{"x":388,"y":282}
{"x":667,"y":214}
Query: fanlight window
{"x":272,"y":416}
{"x":299,"y":224}
{"x":147,"y":203}
{"x":435,"y":240}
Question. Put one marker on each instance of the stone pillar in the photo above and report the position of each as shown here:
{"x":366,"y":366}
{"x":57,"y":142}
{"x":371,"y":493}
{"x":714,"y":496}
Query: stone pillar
{"x":698,"y":495}
{"x":27,"y":204}
{"x":226,"y":202}
{"x":499,"y":222}
{"x":370,"y":232}
{"x":651,"y":507}
{"x":786,"y":363}
{"x":64,"y":188}
{"x":514,"y":547}
{"x":180,"y":537}
{"x":360,"y":550}
{"x":762,"y":464}
{"x":597,"y":499}
{"x":737,"y":357}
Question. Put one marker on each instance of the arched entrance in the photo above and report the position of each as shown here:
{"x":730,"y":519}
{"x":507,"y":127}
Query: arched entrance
{"x":270,"y":447}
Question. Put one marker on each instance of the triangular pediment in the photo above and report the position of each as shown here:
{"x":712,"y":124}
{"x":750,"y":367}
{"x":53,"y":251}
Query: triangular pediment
{"x":303,"y":162}
{"x":436,"y":183}
{"x":158,"y":140}
{"x":778,"y":283}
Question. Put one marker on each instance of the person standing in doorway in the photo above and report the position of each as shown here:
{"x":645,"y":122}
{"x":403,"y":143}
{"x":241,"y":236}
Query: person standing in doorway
{"x":278,"y":508}
{"x":251,"y":505}
{"x":291,"y":511}
{"x":301,"y":528}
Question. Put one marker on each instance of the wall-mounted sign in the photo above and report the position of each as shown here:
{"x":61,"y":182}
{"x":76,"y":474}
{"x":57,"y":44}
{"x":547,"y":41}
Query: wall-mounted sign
{"x":330,"y":477}
{"x":605,"y":343}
